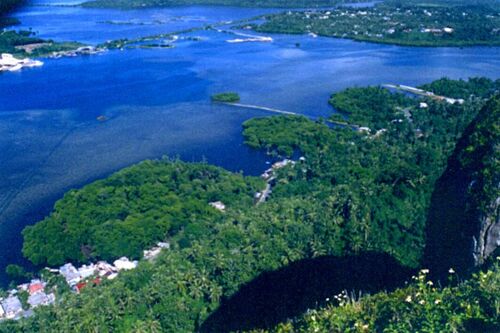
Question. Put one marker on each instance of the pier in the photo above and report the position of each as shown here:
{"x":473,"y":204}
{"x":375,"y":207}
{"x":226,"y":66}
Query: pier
{"x":423,"y":93}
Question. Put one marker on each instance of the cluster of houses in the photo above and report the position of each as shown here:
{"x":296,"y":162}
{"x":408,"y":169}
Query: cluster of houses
{"x":392,"y":21}
{"x":9,"y":63}
{"x":79,"y":278}
{"x":270,"y":177}
{"x":11,"y":307}
{"x":84,"y":50}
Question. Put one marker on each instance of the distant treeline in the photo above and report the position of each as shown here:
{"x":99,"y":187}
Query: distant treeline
{"x":236,"y":3}
{"x":393,"y":23}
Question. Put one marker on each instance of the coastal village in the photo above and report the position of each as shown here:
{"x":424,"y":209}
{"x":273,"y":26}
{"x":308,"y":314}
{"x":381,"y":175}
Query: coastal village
{"x":20,"y":302}
{"x":382,"y":23}
{"x":10,"y":63}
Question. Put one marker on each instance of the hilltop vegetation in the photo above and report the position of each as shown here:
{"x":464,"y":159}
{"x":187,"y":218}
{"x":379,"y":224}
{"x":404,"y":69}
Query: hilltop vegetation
{"x":235,"y":3}
{"x":354,"y":192}
{"x":400,"y":23}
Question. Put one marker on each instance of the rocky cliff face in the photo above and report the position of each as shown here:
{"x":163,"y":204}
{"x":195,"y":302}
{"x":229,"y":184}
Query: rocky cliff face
{"x":463,"y":227}
{"x":488,"y":239}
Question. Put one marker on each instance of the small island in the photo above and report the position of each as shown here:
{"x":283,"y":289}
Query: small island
{"x":226,"y":97}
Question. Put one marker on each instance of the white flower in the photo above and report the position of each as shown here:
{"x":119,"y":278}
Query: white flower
{"x":437,"y":301}
{"x":422,"y":302}
{"x":425,"y":271}
{"x":430,"y":283}
{"x":408,"y":299}
{"x":451,"y":271}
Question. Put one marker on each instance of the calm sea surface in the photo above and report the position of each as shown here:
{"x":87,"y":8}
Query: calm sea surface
{"x":157,"y":100}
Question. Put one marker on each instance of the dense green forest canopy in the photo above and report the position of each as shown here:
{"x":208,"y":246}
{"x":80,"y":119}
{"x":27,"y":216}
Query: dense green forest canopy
{"x":400,"y":23}
{"x":355,"y":191}
{"x":385,"y":176}
{"x":238,"y":3}
{"x":135,"y":208}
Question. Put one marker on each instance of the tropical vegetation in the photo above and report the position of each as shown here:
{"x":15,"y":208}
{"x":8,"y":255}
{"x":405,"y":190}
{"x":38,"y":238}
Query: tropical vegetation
{"x":401,"y":23}
{"x":470,"y":306}
{"x":135,"y":208}
{"x":353,"y":192}
{"x":227,"y":97}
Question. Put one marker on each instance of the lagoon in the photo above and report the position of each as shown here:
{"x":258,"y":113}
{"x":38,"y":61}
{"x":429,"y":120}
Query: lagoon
{"x":156,"y":102}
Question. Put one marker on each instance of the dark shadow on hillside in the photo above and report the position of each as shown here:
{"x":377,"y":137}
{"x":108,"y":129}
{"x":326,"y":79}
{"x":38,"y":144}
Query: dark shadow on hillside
{"x":449,"y":231}
{"x":276,"y":296}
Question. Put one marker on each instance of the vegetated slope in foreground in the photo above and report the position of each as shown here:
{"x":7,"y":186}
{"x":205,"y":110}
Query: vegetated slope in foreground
{"x":274,"y":297}
{"x":234,"y":3}
{"x":355,"y":191}
{"x":470,"y":306}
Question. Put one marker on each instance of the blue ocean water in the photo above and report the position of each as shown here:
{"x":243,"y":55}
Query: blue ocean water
{"x":157,"y":101}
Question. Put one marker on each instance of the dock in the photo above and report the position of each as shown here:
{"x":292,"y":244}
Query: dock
{"x":423,"y":93}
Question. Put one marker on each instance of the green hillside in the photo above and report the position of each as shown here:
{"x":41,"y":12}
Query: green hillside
{"x":357,"y":195}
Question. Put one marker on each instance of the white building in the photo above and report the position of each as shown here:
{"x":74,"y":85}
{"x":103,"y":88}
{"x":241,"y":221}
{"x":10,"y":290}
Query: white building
{"x":219,"y":205}
{"x":155,"y":251}
{"x":41,"y":298}
{"x":12,"y":307}
{"x":9,"y":63}
{"x":282,"y":164}
{"x":70,"y":274}
{"x":105,"y":269}
{"x":125,"y":264}
{"x":87,"y":271}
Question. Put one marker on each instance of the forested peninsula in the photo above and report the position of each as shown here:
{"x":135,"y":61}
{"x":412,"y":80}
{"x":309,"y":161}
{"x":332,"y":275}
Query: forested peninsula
{"x":25,"y":43}
{"x":396,"y":22}
{"x":355,"y":205}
